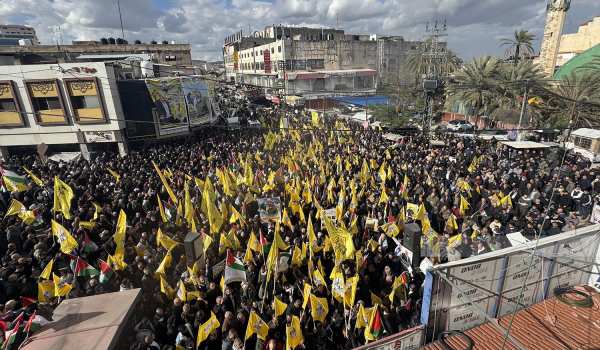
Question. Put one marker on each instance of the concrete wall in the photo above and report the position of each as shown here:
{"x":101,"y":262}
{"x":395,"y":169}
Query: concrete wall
{"x":34,"y":134}
{"x":587,"y":36}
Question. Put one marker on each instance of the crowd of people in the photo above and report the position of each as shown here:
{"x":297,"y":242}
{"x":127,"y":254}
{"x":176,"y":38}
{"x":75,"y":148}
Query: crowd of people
{"x":311,"y":216}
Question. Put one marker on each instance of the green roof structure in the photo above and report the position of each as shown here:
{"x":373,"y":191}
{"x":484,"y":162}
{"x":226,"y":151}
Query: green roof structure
{"x":577,"y":62}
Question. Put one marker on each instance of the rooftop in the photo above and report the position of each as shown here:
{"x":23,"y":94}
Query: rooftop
{"x":548,"y":325}
{"x":585,"y":132}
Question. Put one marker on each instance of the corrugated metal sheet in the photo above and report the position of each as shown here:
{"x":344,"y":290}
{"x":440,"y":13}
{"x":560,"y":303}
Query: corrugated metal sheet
{"x":586,"y":132}
{"x":551,"y":325}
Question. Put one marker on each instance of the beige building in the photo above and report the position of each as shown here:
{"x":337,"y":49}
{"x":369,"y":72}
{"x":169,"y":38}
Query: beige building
{"x":314,"y":62}
{"x":571,"y":45}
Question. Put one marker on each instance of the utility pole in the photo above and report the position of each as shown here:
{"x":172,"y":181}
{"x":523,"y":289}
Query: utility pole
{"x":523,"y":109}
{"x":435,"y":59}
{"x":120,"y":19}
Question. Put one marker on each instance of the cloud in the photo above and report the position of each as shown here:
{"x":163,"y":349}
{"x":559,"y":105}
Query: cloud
{"x":474,"y":25}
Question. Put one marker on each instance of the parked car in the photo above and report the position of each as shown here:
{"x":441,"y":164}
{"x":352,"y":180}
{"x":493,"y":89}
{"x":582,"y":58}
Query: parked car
{"x":459,"y":125}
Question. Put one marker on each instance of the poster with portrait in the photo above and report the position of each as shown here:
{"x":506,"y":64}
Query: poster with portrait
{"x":169,"y":104}
{"x":197,"y":97}
{"x":269,"y":209}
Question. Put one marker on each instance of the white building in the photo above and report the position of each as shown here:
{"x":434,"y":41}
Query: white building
{"x":11,"y":34}
{"x":68,"y":106}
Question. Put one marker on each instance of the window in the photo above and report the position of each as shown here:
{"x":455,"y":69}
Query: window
{"x":170,"y":58}
{"x":272,"y":50}
{"x":47,"y":102}
{"x":10,"y":114}
{"x":583,"y":142}
{"x":85,"y":100}
{"x":279,"y":48}
{"x":315,"y":64}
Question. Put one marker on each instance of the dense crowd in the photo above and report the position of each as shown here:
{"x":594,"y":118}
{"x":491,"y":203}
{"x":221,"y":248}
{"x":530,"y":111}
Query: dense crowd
{"x":323,"y":266}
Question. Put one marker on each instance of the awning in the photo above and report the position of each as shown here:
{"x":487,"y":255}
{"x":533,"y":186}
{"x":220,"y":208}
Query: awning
{"x":524,"y":144}
{"x":363,"y":100}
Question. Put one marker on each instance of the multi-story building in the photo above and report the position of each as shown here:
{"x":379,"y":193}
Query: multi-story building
{"x":170,"y":58}
{"x":313,"y":62}
{"x":15,"y":34}
{"x":74,"y":107}
{"x":573,"y":44}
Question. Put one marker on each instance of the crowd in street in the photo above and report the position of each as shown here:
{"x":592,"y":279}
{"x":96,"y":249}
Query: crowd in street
{"x":322,"y":262}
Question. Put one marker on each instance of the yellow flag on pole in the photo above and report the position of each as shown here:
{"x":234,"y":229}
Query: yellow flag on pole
{"x":164,"y":240}
{"x":319,"y":308}
{"x":114,"y":174}
{"x":63,"y":194}
{"x":47,"y":270}
{"x":165,"y":183}
{"x":306,"y":295}
{"x":293,"y":334}
{"x":119,"y":236}
{"x":66,"y":241}
{"x":45,"y":291}
{"x":279,"y":307}
{"x":206,"y":329}
{"x":34,"y":178}
{"x":161,"y":209}
{"x":256,"y":326}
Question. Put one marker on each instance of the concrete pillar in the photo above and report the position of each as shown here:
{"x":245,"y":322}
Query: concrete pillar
{"x":4,"y":153}
{"x":85,"y":153}
{"x":123,"y":149}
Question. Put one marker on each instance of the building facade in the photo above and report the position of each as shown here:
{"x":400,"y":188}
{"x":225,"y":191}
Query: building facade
{"x":573,"y":44}
{"x":74,"y":106}
{"x":313,"y":62}
{"x":15,"y":34}
{"x":172,"y":58}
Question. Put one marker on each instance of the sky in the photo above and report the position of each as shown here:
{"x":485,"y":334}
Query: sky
{"x":475,"y":27}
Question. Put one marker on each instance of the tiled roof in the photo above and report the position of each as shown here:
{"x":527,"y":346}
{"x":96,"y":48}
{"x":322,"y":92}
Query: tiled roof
{"x":550,"y":325}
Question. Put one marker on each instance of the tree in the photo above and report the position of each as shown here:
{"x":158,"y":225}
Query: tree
{"x":521,"y":43}
{"x":476,"y":84}
{"x":579,"y":93}
{"x":417,"y":62}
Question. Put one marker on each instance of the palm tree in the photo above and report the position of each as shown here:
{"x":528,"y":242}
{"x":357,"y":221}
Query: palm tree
{"x":418,"y":64}
{"x":476,"y":84}
{"x":521,"y":43}
{"x":580,"y":94}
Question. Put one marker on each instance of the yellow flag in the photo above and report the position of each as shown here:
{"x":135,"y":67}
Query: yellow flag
{"x":117,"y":262}
{"x":306,"y":295}
{"x":319,"y":308}
{"x":350,"y":291}
{"x":166,"y":289}
{"x":189,"y":207}
{"x":206,"y":329}
{"x":164,"y":264}
{"x":256,"y":325}
{"x":206,"y":242}
{"x":61,"y":289}
{"x":297,"y":257}
{"x":45,"y":291}
{"x":363,"y":316}
{"x":253,"y":243}
{"x":119,"y":236}
{"x":279,"y":242}
{"x":506,"y":201}
{"x":47,"y":270}
{"x":312,"y":238}
{"x":455,"y":240}
{"x":181,"y":292}
{"x":464,"y":205}
{"x":165,"y":183}
{"x":371,"y":332}
{"x":34,"y":178}
{"x":279,"y":307}
{"x":451,"y":222}
{"x":164,"y":240}
{"x":421,"y":212}
{"x":66,"y":241}
{"x":214,"y":216}
{"x":161,"y":209}
{"x":293,"y":334}
{"x":63,"y":194}
{"x":285,"y":219}
{"x":315,"y":118}
{"x":337,"y":284}
{"x":318,"y":278}
{"x":272,"y":260}
{"x":114,"y":174}
{"x":15,"y":208}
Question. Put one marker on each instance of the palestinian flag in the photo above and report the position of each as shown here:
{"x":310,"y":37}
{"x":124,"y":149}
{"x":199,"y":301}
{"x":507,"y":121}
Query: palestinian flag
{"x":10,"y":336}
{"x":375,"y":326}
{"x":105,"y":271}
{"x":234,"y":269}
{"x":34,"y":323}
{"x":81,"y":268}
{"x":88,"y":245}
{"x":266,"y":246}
{"x":12,"y":181}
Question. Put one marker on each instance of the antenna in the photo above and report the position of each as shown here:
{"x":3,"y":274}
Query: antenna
{"x":120,"y":19}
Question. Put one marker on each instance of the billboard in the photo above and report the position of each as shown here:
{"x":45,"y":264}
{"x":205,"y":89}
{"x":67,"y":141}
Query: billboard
{"x":196,"y":95}
{"x":177,"y":99}
{"x":460,"y":295}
